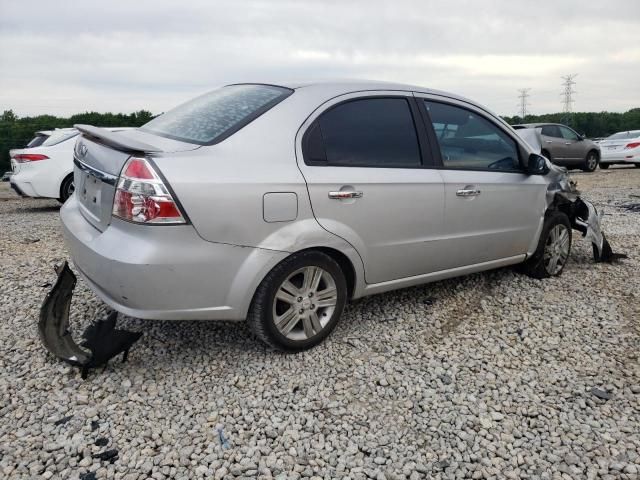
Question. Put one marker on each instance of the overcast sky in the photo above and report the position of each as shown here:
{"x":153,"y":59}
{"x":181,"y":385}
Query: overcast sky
{"x":63,"y":57}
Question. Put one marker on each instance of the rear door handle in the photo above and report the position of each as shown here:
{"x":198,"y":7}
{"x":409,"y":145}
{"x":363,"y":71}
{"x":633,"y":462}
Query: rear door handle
{"x":468,"y":192}
{"x":341,"y":195}
{"x":567,"y":143}
{"x":548,"y":141}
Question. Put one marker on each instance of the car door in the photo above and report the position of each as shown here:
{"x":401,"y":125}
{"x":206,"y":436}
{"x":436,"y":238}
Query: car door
{"x":552,"y":142}
{"x":367,"y":171}
{"x":574,"y":146}
{"x":493,"y":209}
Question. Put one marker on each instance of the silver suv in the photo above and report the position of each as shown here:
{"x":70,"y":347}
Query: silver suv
{"x":278,"y":204}
{"x":564,"y":146}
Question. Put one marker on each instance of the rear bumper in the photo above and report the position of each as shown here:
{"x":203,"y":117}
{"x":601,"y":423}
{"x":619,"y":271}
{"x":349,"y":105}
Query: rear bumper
{"x":632,"y":156}
{"x":35,"y":181}
{"x":164,"y":272}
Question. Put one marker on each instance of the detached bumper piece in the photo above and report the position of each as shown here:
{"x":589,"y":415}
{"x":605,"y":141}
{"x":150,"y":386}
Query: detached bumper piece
{"x":587,"y":220}
{"x":101,"y":340}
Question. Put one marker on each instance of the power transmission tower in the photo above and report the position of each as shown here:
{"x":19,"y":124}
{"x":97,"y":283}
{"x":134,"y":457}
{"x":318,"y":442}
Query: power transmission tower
{"x":524,"y":95}
{"x":568,"y":91}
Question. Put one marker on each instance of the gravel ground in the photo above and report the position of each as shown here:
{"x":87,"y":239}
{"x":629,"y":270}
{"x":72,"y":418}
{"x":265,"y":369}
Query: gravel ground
{"x":494,"y":375}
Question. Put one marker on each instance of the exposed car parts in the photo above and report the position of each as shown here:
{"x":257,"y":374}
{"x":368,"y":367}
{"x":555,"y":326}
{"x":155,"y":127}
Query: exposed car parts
{"x":101,"y":340}
{"x":562,"y":194}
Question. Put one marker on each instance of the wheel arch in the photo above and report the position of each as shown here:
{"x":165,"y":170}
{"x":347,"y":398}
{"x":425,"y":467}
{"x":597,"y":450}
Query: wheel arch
{"x":62,"y":182}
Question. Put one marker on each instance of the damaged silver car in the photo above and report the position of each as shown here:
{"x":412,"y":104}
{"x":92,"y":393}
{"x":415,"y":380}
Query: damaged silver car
{"x":280,"y":203}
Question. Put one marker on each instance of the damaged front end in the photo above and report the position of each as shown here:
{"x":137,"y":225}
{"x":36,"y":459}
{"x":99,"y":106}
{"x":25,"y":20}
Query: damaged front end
{"x":563,"y":195}
{"x":101,"y":340}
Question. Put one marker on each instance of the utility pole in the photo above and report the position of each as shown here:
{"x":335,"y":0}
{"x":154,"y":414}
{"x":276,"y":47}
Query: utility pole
{"x":567,"y":92}
{"x":524,"y":95}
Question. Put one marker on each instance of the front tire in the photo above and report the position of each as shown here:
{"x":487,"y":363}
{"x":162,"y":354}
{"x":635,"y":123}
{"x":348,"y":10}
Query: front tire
{"x":591,"y":162}
{"x":66,"y":189}
{"x":299,"y":302}
{"x":553,"y":249}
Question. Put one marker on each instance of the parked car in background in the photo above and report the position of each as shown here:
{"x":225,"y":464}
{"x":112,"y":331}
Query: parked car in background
{"x":44,"y":168}
{"x":278,"y":204}
{"x":564,"y":146}
{"x":621,"y":148}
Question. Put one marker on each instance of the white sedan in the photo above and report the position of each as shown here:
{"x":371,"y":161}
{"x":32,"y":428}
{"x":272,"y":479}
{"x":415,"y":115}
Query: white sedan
{"x":622,"y":148}
{"x":44,"y":168}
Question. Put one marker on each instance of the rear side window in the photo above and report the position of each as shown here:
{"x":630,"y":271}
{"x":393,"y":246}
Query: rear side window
{"x":371,"y":132}
{"x":551,"y":131}
{"x":468,"y":141}
{"x":217,"y":115}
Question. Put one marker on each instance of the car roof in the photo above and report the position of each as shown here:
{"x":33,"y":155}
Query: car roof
{"x":537,"y":125}
{"x":345,"y":86}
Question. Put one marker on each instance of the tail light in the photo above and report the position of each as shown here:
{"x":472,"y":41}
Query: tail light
{"x":632,"y":145}
{"x":29,"y":157}
{"x":142,"y":197}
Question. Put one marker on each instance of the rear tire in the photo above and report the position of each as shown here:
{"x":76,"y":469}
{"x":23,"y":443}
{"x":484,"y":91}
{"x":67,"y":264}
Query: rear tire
{"x":66,"y":189}
{"x":553,"y":249}
{"x":299,"y":302}
{"x":591,"y":161}
{"x":604,"y":166}
{"x":637,"y":165}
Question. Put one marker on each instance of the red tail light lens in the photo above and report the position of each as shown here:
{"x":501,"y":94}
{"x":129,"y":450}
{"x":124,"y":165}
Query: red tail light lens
{"x":29,"y":157}
{"x":142,"y":197}
{"x":633,"y":145}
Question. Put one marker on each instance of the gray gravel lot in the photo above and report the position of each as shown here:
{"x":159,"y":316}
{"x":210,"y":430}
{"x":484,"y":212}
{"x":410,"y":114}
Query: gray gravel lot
{"x":488,"y":376}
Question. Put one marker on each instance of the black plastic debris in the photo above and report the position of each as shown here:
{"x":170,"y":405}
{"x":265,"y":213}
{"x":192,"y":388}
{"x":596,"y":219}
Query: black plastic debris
{"x":107,"y":455}
{"x":632,"y":207}
{"x":94,"y":425}
{"x":63,"y":420}
{"x":601,"y":394}
{"x":101,"y":442}
{"x":88,"y":476}
{"x":102,"y":341}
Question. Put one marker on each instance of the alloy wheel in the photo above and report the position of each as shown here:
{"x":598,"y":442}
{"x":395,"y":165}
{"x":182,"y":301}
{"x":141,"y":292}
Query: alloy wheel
{"x":592,"y":162}
{"x":304,"y":303}
{"x":556,"y":250}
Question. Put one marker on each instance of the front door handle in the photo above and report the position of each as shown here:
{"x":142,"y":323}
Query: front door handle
{"x":341,"y":195}
{"x":567,"y":143}
{"x":465,"y":192}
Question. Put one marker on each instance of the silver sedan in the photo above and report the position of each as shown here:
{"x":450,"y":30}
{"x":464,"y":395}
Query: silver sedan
{"x":280,"y":203}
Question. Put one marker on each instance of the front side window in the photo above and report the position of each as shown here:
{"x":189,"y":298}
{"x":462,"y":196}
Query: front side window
{"x":568,"y":134}
{"x":214,"y":116}
{"x":371,"y":132}
{"x":468,"y":141}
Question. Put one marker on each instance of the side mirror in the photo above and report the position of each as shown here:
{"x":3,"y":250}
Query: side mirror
{"x":537,"y":165}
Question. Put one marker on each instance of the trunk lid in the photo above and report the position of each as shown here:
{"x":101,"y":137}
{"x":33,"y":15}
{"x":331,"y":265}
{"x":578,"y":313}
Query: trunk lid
{"x":99,"y":156}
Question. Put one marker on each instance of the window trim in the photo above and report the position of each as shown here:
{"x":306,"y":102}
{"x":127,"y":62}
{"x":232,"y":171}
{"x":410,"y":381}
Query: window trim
{"x":424,"y":147}
{"x":286,"y":93}
{"x":437,"y":154}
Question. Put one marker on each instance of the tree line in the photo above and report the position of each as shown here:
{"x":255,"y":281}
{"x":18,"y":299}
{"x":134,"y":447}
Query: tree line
{"x":591,"y":124}
{"x":16,"y":132}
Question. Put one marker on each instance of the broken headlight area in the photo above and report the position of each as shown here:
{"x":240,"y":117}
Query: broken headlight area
{"x":586,"y":219}
{"x":563,"y":195}
{"x":101,"y":341}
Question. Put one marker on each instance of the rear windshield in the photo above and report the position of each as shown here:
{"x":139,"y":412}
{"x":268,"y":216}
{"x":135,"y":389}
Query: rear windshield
{"x":216,"y":115}
{"x":624,"y":135}
{"x":37,"y":141}
{"x":59,"y":137}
